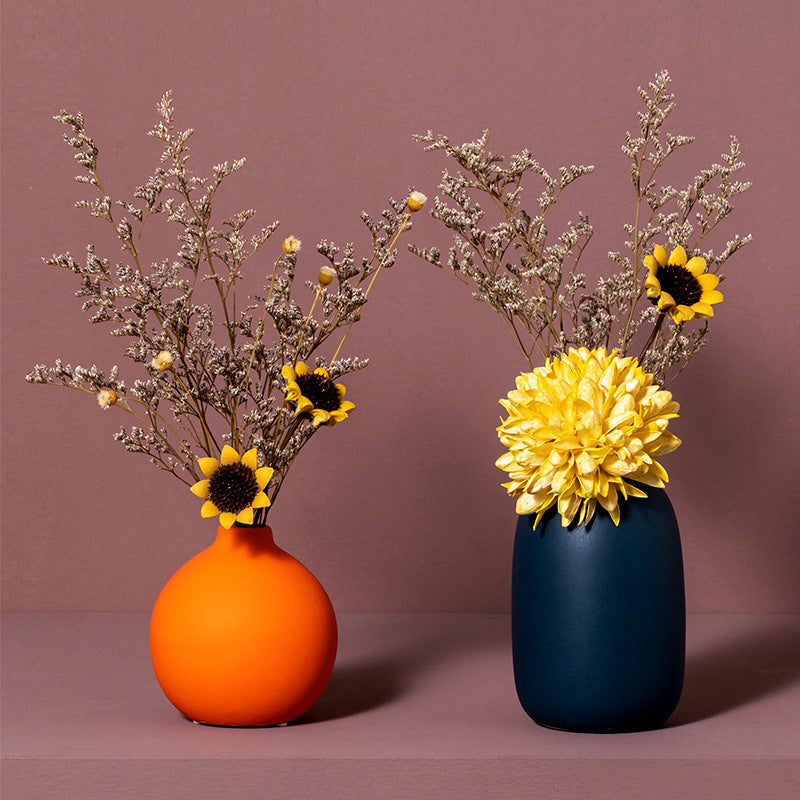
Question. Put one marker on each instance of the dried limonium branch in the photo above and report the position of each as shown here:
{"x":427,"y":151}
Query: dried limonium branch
{"x":510,"y":260}
{"x":223,"y":397}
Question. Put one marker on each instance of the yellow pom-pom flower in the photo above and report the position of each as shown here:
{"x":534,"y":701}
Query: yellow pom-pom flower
{"x":315,"y":395}
{"x":233,"y":486}
{"x":681,"y":286}
{"x":580,"y":430}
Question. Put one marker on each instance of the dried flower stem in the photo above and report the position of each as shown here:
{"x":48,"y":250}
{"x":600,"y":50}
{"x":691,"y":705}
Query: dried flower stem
{"x":534,"y":284}
{"x":227,"y":386}
{"x":305,"y":325}
{"x":402,"y":227}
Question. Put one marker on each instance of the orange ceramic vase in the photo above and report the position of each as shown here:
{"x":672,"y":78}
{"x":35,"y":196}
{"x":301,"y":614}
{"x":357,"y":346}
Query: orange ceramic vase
{"x":243,"y":634}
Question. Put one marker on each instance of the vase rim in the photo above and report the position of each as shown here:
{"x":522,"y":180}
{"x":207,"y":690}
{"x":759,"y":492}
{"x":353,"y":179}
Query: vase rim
{"x":245,"y":536}
{"x":243,"y":530}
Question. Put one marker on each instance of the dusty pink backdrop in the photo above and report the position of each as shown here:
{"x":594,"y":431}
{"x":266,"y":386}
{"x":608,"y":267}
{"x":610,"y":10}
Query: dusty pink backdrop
{"x":400,"y":508}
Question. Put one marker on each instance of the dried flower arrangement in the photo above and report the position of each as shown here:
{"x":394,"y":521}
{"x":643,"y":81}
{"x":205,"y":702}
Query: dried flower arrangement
{"x":216,"y":407}
{"x":593,"y":418}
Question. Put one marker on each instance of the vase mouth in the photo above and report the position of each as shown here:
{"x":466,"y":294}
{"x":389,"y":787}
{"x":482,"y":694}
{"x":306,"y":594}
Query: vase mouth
{"x":255,"y":538}
{"x":243,"y":527}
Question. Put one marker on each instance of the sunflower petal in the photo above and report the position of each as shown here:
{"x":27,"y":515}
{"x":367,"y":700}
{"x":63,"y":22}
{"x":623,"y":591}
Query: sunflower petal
{"x":208,"y":466}
{"x":245,"y":516}
{"x":653,"y":285}
{"x":293,"y":391}
{"x":288,"y":372}
{"x":677,"y":258}
{"x":320,"y":415}
{"x":304,"y":406}
{"x":260,"y":501}
{"x":227,"y":519}
{"x":209,"y":509}
{"x":264,"y":476}
{"x":301,"y":368}
{"x":703,"y":310}
{"x":665,"y":301}
{"x":250,"y":459}
{"x":660,"y":255}
{"x":708,"y":281}
{"x":229,"y":456}
{"x":200,"y":489}
{"x":712,"y":297}
{"x":696,"y":266}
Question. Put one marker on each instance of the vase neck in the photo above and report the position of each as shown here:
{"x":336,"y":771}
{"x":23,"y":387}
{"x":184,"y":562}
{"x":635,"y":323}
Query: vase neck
{"x":240,"y":536}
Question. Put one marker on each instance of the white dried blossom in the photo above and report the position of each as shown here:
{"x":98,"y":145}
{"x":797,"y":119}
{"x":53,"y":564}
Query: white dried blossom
{"x":106,"y":398}
{"x":162,"y":361}
{"x":217,"y":368}
{"x":291,"y":245}
{"x":326,"y":276}
{"x":536,"y":285}
{"x":416,"y":200}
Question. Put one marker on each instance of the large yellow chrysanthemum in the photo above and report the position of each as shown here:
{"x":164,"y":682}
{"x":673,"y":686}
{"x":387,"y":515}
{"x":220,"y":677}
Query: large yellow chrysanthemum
{"x":315,"y":394}
{"x":680,"y":286}
{"x":233,"y":486}
{"x":579,"y":429}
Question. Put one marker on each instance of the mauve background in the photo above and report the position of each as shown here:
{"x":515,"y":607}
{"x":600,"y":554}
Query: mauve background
{"x":400,"y":508}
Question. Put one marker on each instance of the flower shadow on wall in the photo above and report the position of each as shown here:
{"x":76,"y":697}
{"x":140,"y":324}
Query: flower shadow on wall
{"x":757,"y":662}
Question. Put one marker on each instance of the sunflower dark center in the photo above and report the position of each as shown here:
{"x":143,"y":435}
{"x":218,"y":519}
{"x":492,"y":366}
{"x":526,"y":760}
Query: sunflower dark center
{"x":233,"y":487}
{"x":680,"y":283}
{"x":321,"y":391}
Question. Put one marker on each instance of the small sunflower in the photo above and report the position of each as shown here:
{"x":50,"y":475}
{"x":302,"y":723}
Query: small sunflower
{"x":315,"y":394}
{"x":233,"y":486}
{"x":681,"y":286}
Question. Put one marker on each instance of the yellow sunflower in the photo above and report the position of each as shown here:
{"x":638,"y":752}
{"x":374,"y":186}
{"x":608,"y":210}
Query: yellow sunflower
{"x":681,"y":286}
{"x":315,"y":395}
{"x":579,"y":430}
{"x":233,"y":486}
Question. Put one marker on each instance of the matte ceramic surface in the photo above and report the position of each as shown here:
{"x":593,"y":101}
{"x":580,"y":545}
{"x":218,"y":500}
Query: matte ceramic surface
{"x":243,"y":634}
{"x":598,"y":618}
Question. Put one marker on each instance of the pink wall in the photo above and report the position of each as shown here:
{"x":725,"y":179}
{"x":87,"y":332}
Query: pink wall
{"x":399,"y":508}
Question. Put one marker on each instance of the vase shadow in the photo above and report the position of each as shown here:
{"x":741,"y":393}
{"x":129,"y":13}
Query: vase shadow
{"x":356,"y":688}
{"x":744,"y":668}
{"x":358,"y":685}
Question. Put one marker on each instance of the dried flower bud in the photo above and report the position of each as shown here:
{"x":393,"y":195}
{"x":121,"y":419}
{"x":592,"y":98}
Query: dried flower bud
{"x":162,"y":361}
{"x":106,"y":398}
{"x":416,"y":200}
{"x":326,"y":276}
{"x":291,"y":245}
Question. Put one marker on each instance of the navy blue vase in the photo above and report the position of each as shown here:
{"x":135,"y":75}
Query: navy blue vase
{"x":598,"y":618}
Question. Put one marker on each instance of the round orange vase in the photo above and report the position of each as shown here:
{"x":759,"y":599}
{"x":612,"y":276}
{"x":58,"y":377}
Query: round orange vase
{"x":243,"y":634}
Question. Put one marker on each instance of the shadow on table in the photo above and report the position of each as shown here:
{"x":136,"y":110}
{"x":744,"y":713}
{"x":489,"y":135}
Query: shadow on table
{"x":360,"y":686}
{"x":751,"y":665}
{"x":355,"y":688}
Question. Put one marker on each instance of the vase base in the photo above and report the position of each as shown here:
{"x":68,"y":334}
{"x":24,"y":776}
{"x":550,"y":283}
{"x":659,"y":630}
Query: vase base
{"x":216,"y":725}
{"x":631,"y":728}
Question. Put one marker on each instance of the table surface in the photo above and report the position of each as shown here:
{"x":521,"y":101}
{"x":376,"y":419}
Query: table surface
{"x":407,"y":688}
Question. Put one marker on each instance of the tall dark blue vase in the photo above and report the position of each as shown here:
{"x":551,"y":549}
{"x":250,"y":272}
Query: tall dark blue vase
{"x":598,"y":618}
